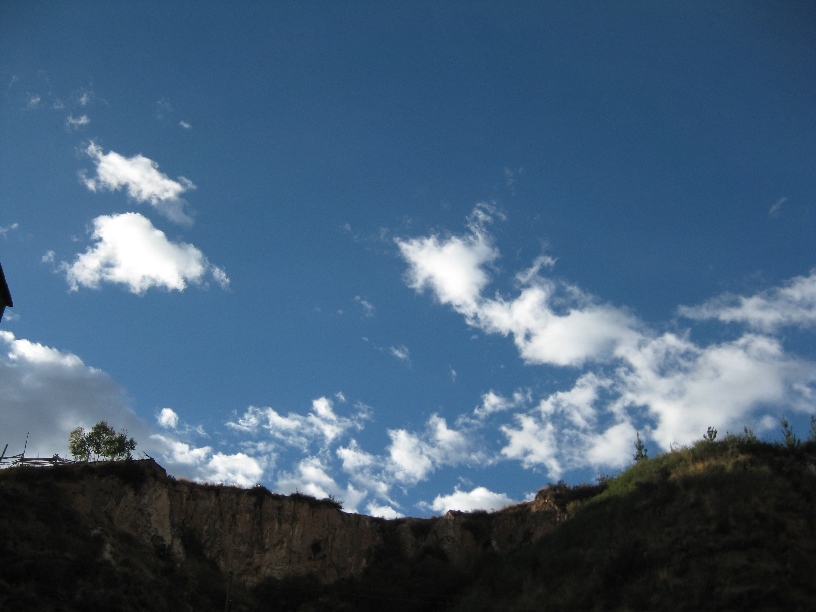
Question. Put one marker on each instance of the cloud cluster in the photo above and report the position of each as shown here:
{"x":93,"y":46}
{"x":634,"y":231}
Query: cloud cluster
{"x":48,"y":392}
{"x":129,"y":250}
{"x":630,"y":376}
{"x":319,"y":428}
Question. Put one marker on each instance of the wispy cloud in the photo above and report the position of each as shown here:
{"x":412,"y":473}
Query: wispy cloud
{"x":74,"y":123}
{"x":401,"y":352}
{"x":791,"y":305}
{"x":141,"y":178}
{"x":8,"y":228}
{"x":774,"y":210}
{"x":129,"y":250}
{"x":368,"y":307}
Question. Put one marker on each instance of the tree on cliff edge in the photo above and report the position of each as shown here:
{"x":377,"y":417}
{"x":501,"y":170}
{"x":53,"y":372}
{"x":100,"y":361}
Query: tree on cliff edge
{"x":101,"y":441}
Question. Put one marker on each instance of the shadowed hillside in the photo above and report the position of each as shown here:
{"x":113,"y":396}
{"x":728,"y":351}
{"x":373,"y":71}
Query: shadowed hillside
{"x":719,"y":525}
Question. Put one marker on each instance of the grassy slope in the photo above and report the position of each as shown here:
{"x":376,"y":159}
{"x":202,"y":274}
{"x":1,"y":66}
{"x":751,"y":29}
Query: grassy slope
{"x":721,"y":525}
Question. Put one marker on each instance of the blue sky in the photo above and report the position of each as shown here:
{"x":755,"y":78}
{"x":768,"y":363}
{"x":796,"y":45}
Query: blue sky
{"x":417,"y":256}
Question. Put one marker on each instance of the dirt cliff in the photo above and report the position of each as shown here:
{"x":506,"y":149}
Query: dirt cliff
{"x":253,"y":534}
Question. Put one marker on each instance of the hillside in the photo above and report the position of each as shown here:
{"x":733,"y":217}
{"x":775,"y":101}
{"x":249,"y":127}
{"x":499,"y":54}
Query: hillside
{"x":719,"y":525}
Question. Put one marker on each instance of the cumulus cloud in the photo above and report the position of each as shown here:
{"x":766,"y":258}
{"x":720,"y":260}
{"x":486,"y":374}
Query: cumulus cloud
{"x":631,"y":377}
{"x":168,"y":418}
{"x":130,"y":251}
{"x":480,"y":498}
{"x":791,"y":305}
{"x":177,"y":452}
{"x":551,"y":322}
{"x":141,"y":178}
{"x":238,"y":469}
{"x":451,"y":267}
{"x":413,"y":456}
{"x":48,"y":392}
{"x":386,"y":512}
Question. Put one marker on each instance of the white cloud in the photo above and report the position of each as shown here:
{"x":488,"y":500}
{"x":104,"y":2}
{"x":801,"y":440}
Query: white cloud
{"x":410,"y":457}
{"x":792,"y":304}
{"x":130,"y":251}
{"x":168,"y":418}
{"x":686,"y":388}
{"x":185,"y":125}
{"x":533,"y":443}
{"x":143,"y":181}
{"x":34,"y":101}
{"x":366,"y":470}
{"x":479,"y":498}
{"x":238,"y":469}
{"x":551,"y":323}
{"x":386,"y":512}
{"x":414,"y":456}
{"x":493,"y":403}
{"x":74,"y":123}
{"x":177,"y":452}
{"x":452,"y":267}
{"x":584,"y":331}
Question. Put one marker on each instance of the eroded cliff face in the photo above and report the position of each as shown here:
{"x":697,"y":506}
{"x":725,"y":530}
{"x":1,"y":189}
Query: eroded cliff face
{"x":255,"y":535}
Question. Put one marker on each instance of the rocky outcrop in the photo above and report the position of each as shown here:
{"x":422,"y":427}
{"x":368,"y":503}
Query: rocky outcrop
{"x":253,"y":534}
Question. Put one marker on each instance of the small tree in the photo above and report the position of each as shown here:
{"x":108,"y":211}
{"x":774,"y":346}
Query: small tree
{"x":78,"y":444}
{"x":101,"y":441}
{"x":640,"y":449}
{"x":791,"y":441}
